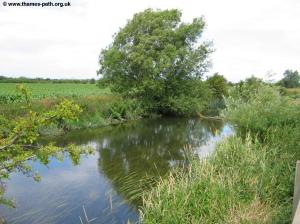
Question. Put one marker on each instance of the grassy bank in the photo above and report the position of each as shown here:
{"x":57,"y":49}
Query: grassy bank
{"x":249,"y":179}
{"x":99,"y":106}
{"x":97,"y":111}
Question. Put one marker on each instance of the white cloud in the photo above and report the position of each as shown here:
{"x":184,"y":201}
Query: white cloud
{"x":250,"y":37}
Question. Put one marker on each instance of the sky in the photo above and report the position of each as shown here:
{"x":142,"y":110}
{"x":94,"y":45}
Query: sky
{"x":256,"y":37}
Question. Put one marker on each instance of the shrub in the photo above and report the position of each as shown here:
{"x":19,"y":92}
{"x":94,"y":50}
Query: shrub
{"x":125,"y":110}
{"x":261,"y":110}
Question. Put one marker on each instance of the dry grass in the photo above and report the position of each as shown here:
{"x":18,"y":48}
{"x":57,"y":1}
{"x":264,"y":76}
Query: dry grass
{"x":255,"y":212}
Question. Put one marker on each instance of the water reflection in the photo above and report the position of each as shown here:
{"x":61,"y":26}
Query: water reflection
{"x":129,"y":159}
{"x":134,"y":156}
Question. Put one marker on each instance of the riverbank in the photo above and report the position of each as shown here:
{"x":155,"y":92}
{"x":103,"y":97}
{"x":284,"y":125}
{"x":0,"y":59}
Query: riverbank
{"x":97,"y":111}
{"x":250,"y":177}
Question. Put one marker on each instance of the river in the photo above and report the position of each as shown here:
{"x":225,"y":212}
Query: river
{"x":106,"y":187}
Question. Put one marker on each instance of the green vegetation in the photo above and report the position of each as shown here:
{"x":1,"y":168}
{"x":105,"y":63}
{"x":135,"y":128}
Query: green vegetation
{"x":219,"y":88}
{"x":218,"y":85}
{"x":23,"y":122}
{"x":155,"y":65}
{"x":49,"y":90}
{"x":291,"y":79}
{"x":292,"y":93}
{"x":21,"y":125}
{"x":4,"y":79}
{"x":159,"y":60}
{"x":249,"y":178}
{"x":18,"y":138}
{"x":97,"y":111}
{"x":99,"y":106}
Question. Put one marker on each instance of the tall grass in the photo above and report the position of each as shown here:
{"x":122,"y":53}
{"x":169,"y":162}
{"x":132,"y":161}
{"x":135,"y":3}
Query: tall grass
{"x":249,"y":179}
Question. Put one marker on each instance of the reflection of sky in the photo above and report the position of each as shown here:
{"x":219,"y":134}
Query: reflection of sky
{"x":61,"y":193}
{"x":209,"y":147}
{"x":64,"y":188}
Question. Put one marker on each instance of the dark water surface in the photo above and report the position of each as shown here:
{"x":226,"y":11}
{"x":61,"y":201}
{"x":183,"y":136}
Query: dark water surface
{"x":109,"y":184}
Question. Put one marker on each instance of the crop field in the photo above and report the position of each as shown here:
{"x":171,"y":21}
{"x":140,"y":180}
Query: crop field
{"x":39,"y":91}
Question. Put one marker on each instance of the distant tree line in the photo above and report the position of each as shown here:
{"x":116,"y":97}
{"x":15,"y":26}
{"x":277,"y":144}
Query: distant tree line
{"x":291,"y":79}
{"x":4,"y":79}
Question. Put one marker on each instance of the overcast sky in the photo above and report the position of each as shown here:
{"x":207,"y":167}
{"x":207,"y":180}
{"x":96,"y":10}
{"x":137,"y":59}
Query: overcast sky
{"x":250,"y":37}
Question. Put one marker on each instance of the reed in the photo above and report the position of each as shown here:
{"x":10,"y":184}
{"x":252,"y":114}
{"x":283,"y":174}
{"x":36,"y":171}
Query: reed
{"x":249,"y":178}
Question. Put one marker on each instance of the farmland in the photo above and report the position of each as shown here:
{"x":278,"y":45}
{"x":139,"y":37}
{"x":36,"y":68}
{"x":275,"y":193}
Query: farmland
{"x":39,"y":91}
{"x":99,"y":106}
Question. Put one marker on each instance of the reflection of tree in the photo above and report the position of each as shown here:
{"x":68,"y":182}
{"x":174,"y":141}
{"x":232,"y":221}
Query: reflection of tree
{"x":133,"y":156}
{"x":18,"y":137}
{"x":17,"y":160}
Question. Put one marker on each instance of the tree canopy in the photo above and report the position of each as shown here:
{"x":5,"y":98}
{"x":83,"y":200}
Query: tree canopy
{"x":219,"y":85}
{"x":291,"y":79}
{"x":158,"y":59}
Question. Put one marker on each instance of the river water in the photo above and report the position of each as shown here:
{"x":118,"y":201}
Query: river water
{"x":106,"y":187}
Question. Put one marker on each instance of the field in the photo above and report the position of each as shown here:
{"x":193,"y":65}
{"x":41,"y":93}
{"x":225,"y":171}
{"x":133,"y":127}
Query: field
{"x":39,"y":91}
{"x":294,"y":94}
{"x":99,"y":106}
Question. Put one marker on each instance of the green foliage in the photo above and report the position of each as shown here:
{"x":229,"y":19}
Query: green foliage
{"x":291,"y":79}
{"x":293,"y":93}
{"x":18,"y":138}
{"x":158,"y":60}
{"x":215,"y":107}
{"x":245,"y":89}
{"x":125,"y":110}
{"x":219,"y":87}
{"x":221,"y":189}
{"x":276,"y":120}
{"x":245,"y":181}
{"x":218,"y":84}
{"x":249,"y":178}
{"x":188,"y":105}
{"x":96,"y":112}
{"x":105,"y":110}
{"x":260,"y":110}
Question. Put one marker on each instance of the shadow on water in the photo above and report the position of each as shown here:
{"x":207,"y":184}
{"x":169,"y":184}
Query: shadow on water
{"x":134,"y":157}
{"x":129,"y":160}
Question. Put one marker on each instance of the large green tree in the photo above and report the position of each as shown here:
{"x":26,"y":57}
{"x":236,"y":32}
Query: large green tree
{"x":160,"y":60}
{"x":291,"y":79}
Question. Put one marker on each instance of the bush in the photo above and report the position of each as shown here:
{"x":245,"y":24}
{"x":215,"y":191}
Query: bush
{"x":215,"y":107}
{"x":263,"y":109}
{"x":125,"y":110}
